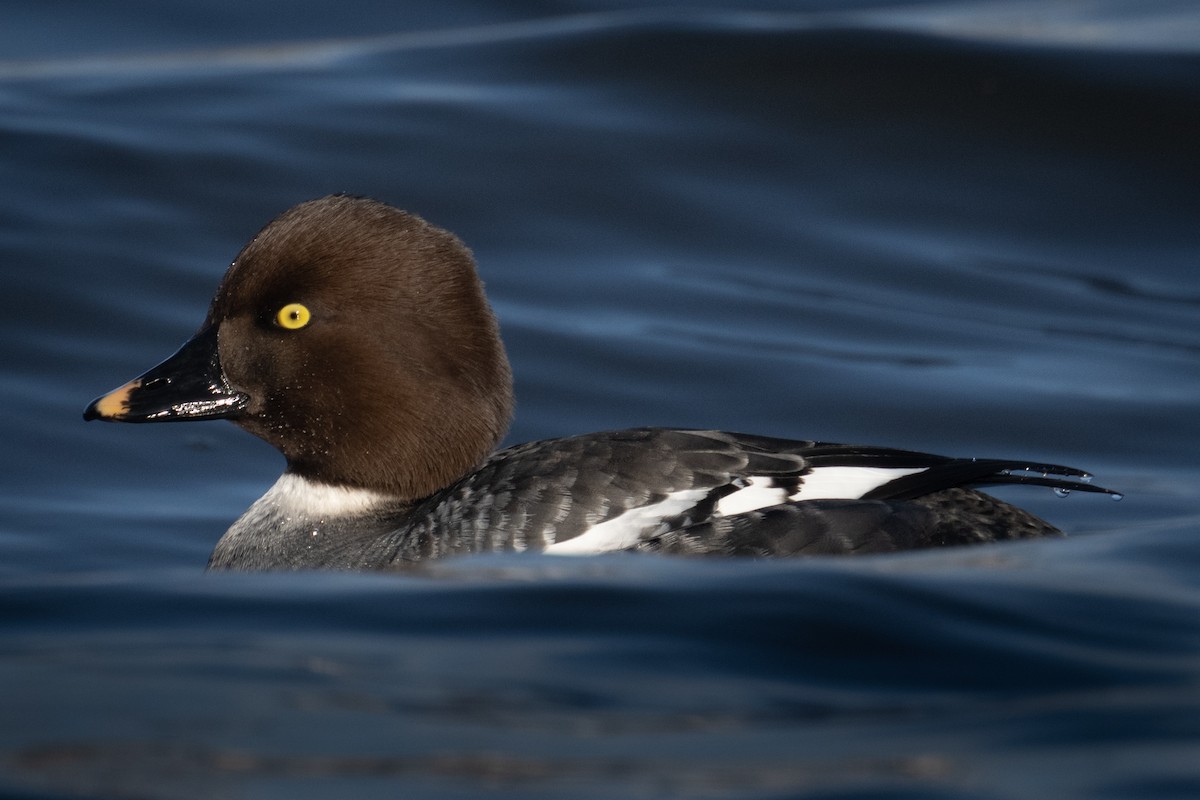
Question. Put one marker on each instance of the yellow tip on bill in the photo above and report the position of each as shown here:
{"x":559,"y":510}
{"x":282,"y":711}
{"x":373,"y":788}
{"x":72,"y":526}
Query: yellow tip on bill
{"x":115,"y":403}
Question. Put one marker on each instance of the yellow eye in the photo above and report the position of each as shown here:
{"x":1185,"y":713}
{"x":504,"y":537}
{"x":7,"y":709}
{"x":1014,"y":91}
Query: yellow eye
{"x":293,"y":316}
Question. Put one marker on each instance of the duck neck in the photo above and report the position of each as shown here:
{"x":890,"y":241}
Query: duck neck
{"x":304,"y":524}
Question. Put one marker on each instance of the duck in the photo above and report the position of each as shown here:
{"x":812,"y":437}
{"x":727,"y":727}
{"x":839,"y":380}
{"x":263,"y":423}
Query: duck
{"x":356,"y":339}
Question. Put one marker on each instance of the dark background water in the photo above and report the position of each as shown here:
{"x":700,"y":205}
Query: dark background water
{"x":967,"y":227}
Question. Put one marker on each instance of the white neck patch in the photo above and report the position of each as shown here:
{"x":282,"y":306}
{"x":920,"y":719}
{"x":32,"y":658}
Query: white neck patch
{"x":295,"y":496}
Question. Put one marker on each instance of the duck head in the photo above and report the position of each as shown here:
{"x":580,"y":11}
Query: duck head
{"x":356,"y":339}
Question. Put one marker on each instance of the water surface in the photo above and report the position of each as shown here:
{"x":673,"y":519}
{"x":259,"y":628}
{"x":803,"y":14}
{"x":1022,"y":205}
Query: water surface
{"x":967,"y":227}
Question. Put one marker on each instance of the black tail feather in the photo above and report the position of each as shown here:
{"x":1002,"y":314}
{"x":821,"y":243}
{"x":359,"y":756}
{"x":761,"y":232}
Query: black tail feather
{"x":986,"y":472}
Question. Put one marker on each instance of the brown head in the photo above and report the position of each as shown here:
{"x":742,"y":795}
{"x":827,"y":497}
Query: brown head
{"x":356,"y":339}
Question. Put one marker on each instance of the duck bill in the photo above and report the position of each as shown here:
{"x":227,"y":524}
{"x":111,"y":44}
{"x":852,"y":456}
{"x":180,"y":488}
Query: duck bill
{"x":189,"y":385}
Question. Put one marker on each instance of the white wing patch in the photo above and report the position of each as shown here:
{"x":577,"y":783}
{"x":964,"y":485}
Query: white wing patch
{"x":823,"y":483}
{"x":627,"y":529}
{"x":757,"y":493}
{"x":847,"y":483}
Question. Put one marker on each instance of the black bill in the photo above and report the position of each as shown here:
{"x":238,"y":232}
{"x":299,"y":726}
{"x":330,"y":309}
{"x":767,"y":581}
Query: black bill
{"x":187,"y":386}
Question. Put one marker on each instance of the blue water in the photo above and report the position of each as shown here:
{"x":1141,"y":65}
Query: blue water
{"x":964,"y":227}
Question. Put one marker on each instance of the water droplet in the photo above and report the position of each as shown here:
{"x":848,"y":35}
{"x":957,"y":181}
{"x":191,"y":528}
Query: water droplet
{"x":1061,"y":492}
{"x":1117,"y":496}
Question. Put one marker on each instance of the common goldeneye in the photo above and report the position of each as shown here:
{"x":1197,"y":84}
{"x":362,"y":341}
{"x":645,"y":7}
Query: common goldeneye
{"x":356,"y":339}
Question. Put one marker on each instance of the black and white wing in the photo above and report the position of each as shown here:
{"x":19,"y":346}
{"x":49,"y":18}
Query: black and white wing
{"x":714,"y":492}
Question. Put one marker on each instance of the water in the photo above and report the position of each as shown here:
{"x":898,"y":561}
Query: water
{"x":961,"y":227}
